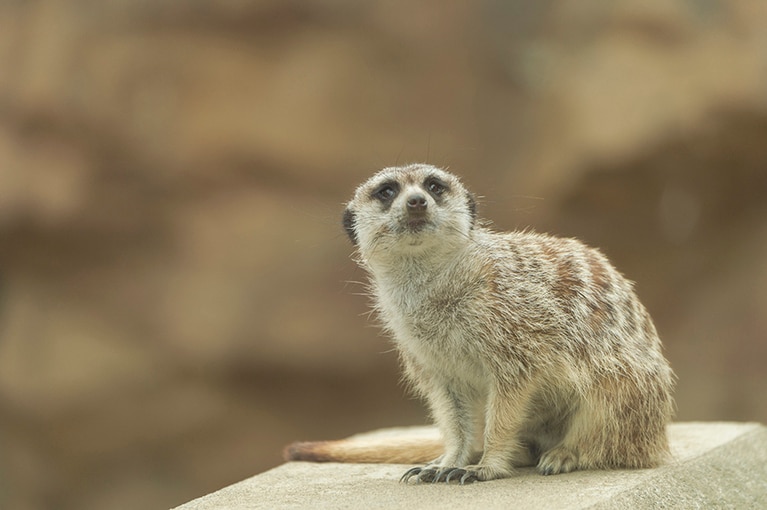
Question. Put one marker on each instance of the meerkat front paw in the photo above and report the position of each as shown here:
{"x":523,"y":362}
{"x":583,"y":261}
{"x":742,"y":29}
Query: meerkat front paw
{"x":427,"y":474}
{"x":435,"y":474}
{"x":557,"y":460}
{"x":465,"y":475}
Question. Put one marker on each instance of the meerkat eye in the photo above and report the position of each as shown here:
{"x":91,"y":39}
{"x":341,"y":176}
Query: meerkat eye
{"x":435,"y":187}
{"x":385,"y":192}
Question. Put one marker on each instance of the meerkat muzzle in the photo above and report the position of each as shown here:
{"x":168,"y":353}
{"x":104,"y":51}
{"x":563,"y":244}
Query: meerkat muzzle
{"x":416,"y":206}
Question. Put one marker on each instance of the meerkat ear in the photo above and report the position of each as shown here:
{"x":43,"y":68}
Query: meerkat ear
{"x":471,"y":202}
{"x":348,"y":221}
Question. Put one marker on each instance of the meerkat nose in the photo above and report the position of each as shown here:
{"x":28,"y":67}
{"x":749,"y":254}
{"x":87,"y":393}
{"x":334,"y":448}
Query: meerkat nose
{"x":416,"y":203}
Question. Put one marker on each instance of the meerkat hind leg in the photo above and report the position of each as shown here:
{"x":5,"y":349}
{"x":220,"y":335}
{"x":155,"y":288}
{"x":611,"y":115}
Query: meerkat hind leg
{"x":552,"y":434}
{"x":558,"y":460}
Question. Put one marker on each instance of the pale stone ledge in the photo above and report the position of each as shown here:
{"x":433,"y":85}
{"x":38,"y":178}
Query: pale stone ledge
{"x":715,"y":465}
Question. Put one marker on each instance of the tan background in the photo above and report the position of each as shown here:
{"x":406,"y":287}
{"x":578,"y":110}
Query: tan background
{"x":174,"y":304}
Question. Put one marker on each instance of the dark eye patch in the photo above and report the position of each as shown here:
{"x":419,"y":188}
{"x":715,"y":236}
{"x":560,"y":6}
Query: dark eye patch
{"x":435,"y":187}
{"x":386,"y":191}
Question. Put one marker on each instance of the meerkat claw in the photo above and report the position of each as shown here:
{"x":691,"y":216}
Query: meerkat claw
{"x":442,"y":474}
{"x":410,"y":473}
{"x":454,"y":472}
{"x":466,"y":476}
{"x":469,"y":477}
{"x":427,"y":475}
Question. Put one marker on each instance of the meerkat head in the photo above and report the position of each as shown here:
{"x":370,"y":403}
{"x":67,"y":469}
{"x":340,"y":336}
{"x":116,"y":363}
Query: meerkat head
{"x":409,"y":209}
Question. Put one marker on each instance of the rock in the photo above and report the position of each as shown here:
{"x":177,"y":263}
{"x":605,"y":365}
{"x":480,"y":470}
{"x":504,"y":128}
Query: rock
{"x":715,"y":464}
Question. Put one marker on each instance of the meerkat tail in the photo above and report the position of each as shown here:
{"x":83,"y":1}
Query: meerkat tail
{"x":408,"y":447}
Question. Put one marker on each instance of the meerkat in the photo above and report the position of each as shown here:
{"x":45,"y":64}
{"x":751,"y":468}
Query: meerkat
{"x":530,"y":350}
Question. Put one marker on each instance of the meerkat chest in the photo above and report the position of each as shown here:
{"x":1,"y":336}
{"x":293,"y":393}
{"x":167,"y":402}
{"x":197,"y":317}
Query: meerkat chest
{"x":439,"y":323}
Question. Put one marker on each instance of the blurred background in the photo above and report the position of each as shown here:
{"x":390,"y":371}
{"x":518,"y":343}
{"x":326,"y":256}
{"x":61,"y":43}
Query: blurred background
{"x":177,"y":298}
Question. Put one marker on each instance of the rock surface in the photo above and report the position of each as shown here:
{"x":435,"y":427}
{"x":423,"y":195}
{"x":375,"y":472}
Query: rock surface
{"x":715,"y":465}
